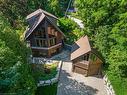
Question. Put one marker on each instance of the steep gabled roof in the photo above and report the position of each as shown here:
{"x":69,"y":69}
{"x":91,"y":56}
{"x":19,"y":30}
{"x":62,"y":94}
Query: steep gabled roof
{"x":83,"y":46}
{"x":38,"y":17}
{"x":38,"y":12}
{"x":80,"y":47}
{"x":35,"y":24}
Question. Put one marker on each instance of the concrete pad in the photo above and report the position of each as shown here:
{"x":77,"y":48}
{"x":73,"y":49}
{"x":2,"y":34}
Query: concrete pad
{"x":75,"y":84}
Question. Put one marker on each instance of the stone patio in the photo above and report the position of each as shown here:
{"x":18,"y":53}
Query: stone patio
{"x":76,"y":84}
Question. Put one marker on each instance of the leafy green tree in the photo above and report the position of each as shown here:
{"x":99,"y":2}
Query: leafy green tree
{"x":105,"y":23}
{"x":70,"y":29}
{"x":15,"y":75}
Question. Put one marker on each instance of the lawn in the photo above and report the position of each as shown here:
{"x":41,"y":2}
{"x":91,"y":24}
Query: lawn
{"x":39,"y":73}
{"x":47,"y":90}
{"x":119,"y":84}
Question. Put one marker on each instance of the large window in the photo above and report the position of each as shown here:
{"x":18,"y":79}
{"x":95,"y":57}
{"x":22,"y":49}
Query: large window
{"x":84,"y":57}
{"x":40,"y":33}
{"x":41,"y":43}
{"x":52,"y":42}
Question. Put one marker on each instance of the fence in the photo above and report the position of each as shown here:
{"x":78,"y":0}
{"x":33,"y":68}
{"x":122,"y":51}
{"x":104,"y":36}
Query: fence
{"x":108,"y":86}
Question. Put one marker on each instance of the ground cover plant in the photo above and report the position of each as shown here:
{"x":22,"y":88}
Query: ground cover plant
{"x":44,"y":72}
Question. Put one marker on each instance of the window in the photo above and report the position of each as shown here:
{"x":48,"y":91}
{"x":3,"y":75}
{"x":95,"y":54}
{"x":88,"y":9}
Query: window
{"x":52,"y":41}
{"x":85,"y":57}
{"x":93,"y":57}
{"x":41,"y":43}
{"x":37,"y":43}
{"x":40,"y":32}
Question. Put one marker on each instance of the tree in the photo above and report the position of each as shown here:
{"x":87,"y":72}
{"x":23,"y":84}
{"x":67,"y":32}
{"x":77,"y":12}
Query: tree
{"x":15,"y":75}
{"x":105,"y":23}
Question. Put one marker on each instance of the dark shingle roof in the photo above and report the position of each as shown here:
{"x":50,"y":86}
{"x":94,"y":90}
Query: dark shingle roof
{"x":35,"y":19}
{"x":40,"y":11}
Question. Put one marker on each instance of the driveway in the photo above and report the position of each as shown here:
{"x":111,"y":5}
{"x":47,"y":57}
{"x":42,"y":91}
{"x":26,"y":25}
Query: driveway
{"x":76,"y":84}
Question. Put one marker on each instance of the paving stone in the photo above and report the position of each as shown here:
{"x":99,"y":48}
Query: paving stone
{"x":42,"y":82}
{"x":47,"y":82}
{"x":54,"y":80}
{"x":76,"y":84}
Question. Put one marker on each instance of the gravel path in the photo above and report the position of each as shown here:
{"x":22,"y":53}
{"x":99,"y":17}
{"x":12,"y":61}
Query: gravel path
{"x":76,"y":84}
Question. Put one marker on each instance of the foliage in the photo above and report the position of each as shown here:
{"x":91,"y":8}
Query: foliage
{"x":70,"y":29}
{"x":15,"y":74}
{"x":15,"y":11}
{"x":105,"y":23}
{"x":45,"y":90}
{"x":39,"y":73}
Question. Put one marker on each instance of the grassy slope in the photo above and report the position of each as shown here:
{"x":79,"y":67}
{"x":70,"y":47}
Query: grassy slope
{"x":119,"y":84}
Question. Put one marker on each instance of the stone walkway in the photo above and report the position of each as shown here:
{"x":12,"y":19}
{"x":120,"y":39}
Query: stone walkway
{"x":64,"y":56}
{"x":76,"y":84}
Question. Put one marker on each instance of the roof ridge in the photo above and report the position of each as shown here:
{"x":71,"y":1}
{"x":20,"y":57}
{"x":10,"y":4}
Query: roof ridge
{"x":36,"y":23}
{"x":38,"y":11}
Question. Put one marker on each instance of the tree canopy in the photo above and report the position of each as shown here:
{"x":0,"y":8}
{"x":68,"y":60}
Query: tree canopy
{"x":106,"y":23}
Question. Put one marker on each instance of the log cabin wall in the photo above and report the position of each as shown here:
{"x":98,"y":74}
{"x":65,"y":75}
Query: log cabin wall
{"x":32,"y":37}
{"x":95,"y":66}
{"x":91,"y":68}
{"x":39,"y":53}
{"x":50,"y":33}
{"x":81,"y":66}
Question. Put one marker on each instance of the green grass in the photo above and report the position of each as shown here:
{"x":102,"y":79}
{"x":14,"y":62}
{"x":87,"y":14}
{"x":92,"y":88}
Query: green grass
{"x":47,"y":90}
{"x":39,"y":74}
{"x":119,"y":84}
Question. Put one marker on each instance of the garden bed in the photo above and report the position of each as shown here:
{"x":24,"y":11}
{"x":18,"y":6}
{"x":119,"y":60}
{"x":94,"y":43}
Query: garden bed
{"x":44,"y":90}
{"x":46,"y":74}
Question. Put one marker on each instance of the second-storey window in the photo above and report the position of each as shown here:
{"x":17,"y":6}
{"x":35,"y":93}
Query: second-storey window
{"x":40,"y":33}
{"x":41,"y":43}
{"x":52,"y":42}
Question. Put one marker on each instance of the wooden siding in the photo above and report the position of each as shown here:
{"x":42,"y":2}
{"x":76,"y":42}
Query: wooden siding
{"x":51,"y":36}
{"x":87,"y":68}
{"x":46,"y":53}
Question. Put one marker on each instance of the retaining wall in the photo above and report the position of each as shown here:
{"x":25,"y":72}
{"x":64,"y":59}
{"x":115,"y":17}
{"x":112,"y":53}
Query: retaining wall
{"x":53,"y":80}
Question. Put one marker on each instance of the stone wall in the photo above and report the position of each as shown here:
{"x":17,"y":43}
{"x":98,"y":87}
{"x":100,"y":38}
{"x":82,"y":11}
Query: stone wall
{"x":53,"y":80}
{"x":108,"y":86}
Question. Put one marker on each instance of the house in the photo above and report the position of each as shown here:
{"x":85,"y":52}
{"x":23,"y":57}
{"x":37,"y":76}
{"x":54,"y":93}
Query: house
{"x":43,"y":35}
{"x":86,"y":60}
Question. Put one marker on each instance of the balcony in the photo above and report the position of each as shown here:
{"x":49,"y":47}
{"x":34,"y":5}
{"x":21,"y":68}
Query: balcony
{"x":46,"y":48}
{"x":43,"y":42}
